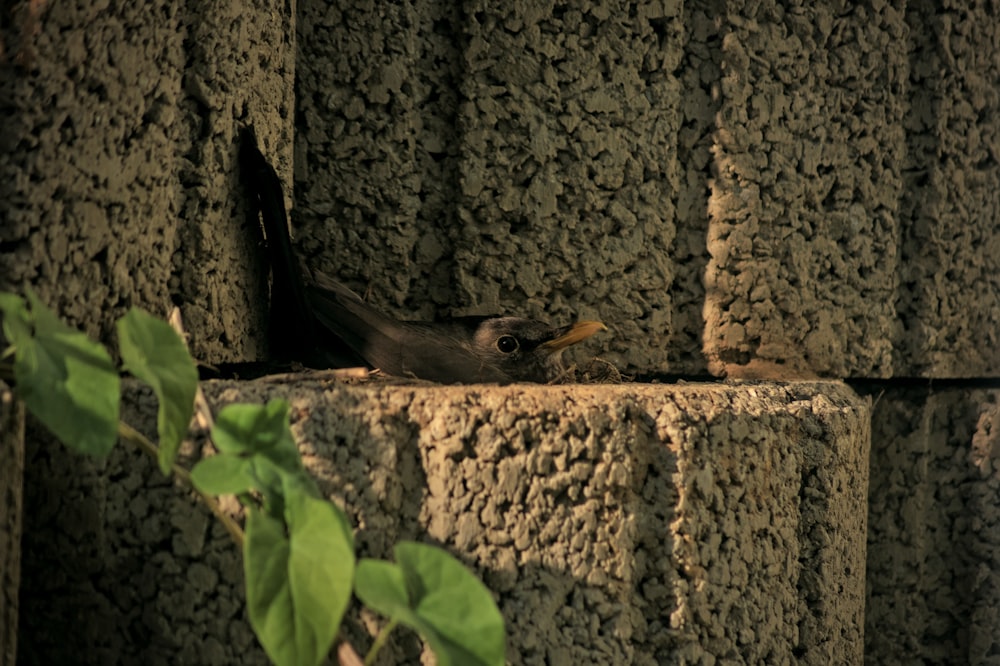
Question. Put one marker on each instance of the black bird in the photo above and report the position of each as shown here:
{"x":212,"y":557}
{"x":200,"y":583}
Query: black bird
{"x":326,"y":325}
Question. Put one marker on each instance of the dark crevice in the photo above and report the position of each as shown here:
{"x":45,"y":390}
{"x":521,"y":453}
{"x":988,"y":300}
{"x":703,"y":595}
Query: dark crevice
{"x":926,"y":382}
{"x":857,"y":383}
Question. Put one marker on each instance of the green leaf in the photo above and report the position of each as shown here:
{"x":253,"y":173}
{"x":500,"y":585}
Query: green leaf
{"x":263,"y":429}
{"x":380,"y":585}
{"x":434,"y":594}
{"x":223,"y":474}
{"x":261,"y":434}
{"x":236,"y":426}
{"x":299,"y":585}
{"x":16,"y":319}
{"x":66,"y":380}
{"x":154,"y":352}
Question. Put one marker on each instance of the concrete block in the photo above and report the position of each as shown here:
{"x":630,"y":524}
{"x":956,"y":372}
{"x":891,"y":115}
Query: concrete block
{"x":934,"y":528}
{"x":949,"y":270}
{"x":615,"y":524}
{"x":809,"y":153}
{"x":376,"y":171}
{"x":568,"y":164}
{"x":580,"y":161}
{"x":118,"y":179}
{"x":503,"y":158}
{"x":743,"y":188}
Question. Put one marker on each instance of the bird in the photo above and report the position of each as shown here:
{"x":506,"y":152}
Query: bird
{"x":321,"y":323}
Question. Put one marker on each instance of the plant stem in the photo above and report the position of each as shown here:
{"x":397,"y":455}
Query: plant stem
{"x":380,"y":640}
{"x":130,"y":434}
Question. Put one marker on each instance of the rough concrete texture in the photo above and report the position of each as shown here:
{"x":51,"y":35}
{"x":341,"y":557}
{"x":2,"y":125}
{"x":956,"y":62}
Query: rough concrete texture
{"x":11,"y":494}
{"x":117,"y":159}
{"x":949,"y":273}
{"x":376,"y":146}
{"x":568,"y":164}
{"x":809,"y":150}
{"x":509,"y":157}
{"x":934,"y":528}
{"x":854,"y":214}
{"x":740,"y":187}
{"x":624,"y":524}
{"x":555,"y":161}
{"x":699,"y":74}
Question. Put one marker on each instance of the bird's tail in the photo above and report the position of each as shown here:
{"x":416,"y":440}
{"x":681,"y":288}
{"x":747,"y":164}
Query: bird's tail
{"x":295,"y":332}
{"x":292,"y":327}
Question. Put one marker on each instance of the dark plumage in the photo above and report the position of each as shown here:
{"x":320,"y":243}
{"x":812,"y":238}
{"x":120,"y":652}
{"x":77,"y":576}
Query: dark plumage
{"x":325,"y":324}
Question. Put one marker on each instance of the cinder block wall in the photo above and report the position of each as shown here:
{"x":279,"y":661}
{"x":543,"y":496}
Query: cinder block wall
{"x":118,"y":176}
{"x":630,"y":524}
{"x":511,"y":130}
{"x":738,"y":188}
{"x":735,"y":187}
{"x":825,"y":178}
{"x":11,"y":515}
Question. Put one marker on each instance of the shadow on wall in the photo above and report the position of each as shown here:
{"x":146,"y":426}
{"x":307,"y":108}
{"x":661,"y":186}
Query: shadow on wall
{"x":950,"y":197}
{"x":569,"y":533}
{"x":699,"y":75}
{"x":933,"y":589}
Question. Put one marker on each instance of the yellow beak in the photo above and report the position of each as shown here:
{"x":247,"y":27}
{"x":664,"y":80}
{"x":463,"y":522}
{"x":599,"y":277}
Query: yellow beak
{"x":572,"y":334}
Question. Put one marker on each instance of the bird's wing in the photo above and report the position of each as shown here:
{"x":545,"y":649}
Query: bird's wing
{"x":426,"y":350}
{"x":435,"y":352}
{"x":372,"y":335}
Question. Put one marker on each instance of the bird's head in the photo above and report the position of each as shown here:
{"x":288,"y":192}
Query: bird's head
{"x":525,"y":349}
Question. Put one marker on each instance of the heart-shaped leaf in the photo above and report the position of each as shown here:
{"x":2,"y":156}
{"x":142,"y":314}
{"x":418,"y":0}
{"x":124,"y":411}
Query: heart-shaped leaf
{"x":66,"y":380}
{"x":299,"y":574}
{"x":223,"y":474}
{"x":260,"y":434}
{"x":434,"y":594}
{"x":156,"y":354}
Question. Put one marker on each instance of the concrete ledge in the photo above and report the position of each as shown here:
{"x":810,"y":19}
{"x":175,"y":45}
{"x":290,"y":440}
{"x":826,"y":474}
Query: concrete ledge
{"x":616,"y":524}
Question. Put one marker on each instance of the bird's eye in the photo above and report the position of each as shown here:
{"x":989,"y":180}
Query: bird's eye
{"x":507,"y":344}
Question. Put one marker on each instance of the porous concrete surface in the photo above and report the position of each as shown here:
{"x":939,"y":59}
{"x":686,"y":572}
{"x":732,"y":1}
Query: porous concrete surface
{"x":376,"y":172}
{"x":614,"y":524}
{"x":118,"y":179}
{"x":698,"y":73}
{"x":11,"y":493}
{"x":934,"y":528}
{"x":503,"y":158}
{"x":808,"y":155}
{"x":949,"y":272}
{"x":740,"y":187}
{"x":568,"y":163}
{"x":821,"y":198}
